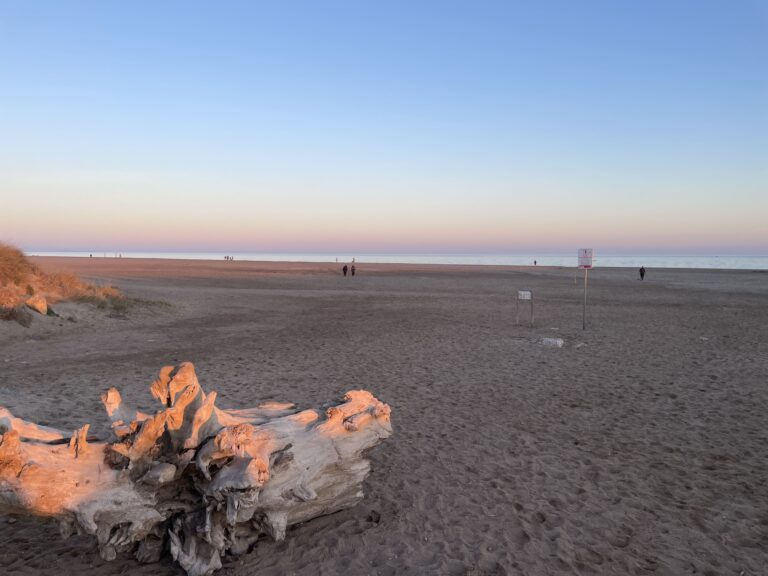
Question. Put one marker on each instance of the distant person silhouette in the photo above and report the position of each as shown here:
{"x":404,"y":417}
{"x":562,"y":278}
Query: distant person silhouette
{"x":534,"y":262}
{"x":642,"y":272}
{"x":344,"y":269}
{"x":352,"y":269}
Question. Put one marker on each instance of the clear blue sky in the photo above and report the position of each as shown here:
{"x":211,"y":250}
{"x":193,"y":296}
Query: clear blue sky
{"x":630,"y":126}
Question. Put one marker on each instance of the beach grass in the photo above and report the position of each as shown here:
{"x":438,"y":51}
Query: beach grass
{"x":21,"y":279}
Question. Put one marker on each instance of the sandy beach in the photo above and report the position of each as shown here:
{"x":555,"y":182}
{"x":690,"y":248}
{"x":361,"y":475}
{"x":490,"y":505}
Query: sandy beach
{"x":639,"y":447}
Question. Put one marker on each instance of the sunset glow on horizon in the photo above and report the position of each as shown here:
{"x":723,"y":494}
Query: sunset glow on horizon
{"x":384,"y":128}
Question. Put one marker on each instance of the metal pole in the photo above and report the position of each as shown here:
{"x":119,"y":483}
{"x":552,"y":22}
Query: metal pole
{"x":531,"y":309}
{"x":584,"y":314}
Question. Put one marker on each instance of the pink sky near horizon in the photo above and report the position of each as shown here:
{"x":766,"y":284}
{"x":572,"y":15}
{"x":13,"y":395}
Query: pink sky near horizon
{"x":241,"y":231}
{"x":202,"y":209}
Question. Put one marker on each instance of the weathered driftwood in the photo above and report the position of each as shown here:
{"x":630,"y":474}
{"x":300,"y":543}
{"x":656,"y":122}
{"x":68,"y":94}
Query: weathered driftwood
{"x":192,"y":479}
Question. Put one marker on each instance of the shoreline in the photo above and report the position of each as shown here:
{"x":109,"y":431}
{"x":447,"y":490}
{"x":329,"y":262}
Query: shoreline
{"x":77,"y":264}
{"x":746,"y":261}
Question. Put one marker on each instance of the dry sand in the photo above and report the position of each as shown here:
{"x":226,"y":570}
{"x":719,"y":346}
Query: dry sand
{"x":640,"y":447}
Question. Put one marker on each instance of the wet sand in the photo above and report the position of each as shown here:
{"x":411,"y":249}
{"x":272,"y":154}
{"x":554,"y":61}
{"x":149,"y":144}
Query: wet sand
{"x":639,"y":447}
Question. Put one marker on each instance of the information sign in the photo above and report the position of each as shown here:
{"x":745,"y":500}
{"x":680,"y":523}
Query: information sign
{"x":527,"y":296}
{"x":585,"y":258}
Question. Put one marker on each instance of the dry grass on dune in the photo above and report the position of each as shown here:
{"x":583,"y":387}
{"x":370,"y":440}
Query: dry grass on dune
{"x":20,"y":279}
{"x":14,"y":266}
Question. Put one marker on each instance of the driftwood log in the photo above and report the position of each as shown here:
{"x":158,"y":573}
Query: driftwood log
{"x":191,"y":480}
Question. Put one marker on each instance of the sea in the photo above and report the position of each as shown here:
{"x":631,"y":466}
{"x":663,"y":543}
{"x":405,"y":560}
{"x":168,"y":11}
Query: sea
{"x":567,"y":260}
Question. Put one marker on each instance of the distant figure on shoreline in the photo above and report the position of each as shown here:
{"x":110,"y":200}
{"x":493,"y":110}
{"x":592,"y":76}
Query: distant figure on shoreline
{"x":344,"y":270}
{"x":642,"y":272}
{"x":352,"y":269}
{"x":534,"y":262}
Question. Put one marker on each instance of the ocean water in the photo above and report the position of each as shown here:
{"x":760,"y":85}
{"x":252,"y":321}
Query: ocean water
{"x":567,"y":260}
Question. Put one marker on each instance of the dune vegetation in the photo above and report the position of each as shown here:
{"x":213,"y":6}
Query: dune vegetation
{"x":21,"y":280}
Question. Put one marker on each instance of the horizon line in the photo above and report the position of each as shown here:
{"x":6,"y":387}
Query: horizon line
{"x":671,"y":252}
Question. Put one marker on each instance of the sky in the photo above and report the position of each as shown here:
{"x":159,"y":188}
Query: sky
{"x":385,"y":126}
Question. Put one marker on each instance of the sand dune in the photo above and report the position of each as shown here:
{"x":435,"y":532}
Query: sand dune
{"x":640,"y":447}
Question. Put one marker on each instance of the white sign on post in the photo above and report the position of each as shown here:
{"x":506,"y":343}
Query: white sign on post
{"x":524,"y":295}
{"x":585,"y":258}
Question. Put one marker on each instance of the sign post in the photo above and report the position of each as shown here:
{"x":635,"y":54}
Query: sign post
{"x":524,"y":295}
{"x":585,"y":262}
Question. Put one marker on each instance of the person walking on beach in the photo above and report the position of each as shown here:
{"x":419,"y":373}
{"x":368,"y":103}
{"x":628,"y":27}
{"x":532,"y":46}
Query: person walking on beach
{"x":642,"y":272}
{"x":352,"y":269}
{"x":344,"y":270}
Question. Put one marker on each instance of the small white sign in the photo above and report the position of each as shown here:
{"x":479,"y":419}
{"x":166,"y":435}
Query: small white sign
{"x":585,"y":257}
{"x":523,"y":294}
